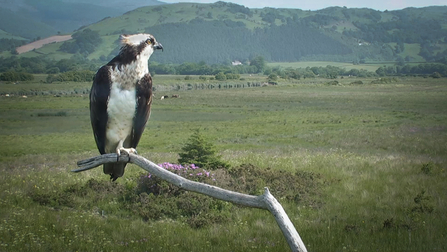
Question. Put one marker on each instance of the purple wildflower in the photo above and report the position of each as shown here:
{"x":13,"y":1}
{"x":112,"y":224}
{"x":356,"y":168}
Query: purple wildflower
{"x":184,"y":170}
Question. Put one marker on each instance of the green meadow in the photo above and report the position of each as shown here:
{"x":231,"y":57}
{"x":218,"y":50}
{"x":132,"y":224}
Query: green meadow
{"x":371,"y":160}
{"x":371,"y":67}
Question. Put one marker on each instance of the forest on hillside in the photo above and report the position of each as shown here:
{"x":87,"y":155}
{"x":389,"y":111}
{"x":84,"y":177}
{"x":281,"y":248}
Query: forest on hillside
{"x":293,"y":36}
{"x":221,"y":33}
{"x":226,"y":41}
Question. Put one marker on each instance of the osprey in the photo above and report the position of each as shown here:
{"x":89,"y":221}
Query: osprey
{"x":120,"y":99}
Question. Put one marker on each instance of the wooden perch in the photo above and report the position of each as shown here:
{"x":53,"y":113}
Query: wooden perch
{"x":265,"y":201}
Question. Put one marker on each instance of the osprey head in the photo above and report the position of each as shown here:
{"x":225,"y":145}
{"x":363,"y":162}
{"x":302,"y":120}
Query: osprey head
{"x":141,"y":44}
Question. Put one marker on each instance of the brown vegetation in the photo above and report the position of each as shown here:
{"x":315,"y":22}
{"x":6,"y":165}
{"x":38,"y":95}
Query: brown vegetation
{"x":39,"y":43}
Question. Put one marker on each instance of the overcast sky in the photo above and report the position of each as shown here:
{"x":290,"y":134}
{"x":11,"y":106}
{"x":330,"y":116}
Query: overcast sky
{"x":321,"y":4}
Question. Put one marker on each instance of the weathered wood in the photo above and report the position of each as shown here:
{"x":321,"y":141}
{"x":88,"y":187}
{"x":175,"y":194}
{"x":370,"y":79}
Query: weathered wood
{"x":265,"y":201}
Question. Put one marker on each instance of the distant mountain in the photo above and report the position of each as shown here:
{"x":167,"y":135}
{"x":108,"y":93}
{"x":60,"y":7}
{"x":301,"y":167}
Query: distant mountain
{"x":41,"y":18}
{"x":121,"y":5}
{"x":223,"y":32}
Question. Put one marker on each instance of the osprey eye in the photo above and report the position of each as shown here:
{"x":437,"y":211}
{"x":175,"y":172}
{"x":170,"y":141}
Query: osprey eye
{"x":149,"y":41}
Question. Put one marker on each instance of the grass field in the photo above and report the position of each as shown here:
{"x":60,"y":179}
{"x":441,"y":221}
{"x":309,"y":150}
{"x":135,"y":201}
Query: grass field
{"x":375,"y":153}
{"x":343,"y":65}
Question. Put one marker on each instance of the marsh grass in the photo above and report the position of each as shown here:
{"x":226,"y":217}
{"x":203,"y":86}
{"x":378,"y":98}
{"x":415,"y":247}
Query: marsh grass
{"x":379,"y":150}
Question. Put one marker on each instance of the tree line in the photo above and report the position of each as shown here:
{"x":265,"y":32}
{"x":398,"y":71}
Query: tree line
{"x":434,"y":69}
{"x":80,"y":69}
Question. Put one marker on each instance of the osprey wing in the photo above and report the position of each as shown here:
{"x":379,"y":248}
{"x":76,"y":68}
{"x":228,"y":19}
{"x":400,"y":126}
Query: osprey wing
{"x":99,"y":96}
{"x":143,"y":110}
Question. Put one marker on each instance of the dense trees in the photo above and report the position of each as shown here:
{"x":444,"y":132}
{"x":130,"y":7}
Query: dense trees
{"x":43,"y":64}
{"x":401,"y":30}
{"x":10,"y":44}
{"x":421,"y":69}
{"x":76,"y":76}
{"x":16,"y":76}
{"x":228,"y":40}
{"x":201,"y":68}
{"x":259,"y":63}
{"x":85,"y":42}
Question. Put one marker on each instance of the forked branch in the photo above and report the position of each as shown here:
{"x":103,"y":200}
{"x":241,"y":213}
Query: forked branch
{"x":265,"y":201}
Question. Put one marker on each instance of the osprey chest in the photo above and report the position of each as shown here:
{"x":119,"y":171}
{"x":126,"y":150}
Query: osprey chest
{"x":122,"y":104}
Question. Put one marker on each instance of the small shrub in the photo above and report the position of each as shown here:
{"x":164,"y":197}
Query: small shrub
{"x":351,"y":228}
{"x":333,"y":83}
{"x":272,"y":77}
{"x":293,"y":187}
{"x":159,"y":199}
{"x":427,"y":168}
{"x":200,"y":152}
{"x":436,"y":75}
{"x":423,"y":203}
{"x":389,"y":223}
{"x":220,"y":76}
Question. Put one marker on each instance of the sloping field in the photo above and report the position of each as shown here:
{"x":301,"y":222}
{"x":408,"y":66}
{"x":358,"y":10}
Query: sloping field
{"x":39,"y":43}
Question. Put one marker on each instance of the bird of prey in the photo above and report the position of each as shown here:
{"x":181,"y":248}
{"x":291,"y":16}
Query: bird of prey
{"x":120,"y":99}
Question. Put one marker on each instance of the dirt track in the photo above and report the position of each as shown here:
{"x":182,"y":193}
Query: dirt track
{"x":42,"y":42}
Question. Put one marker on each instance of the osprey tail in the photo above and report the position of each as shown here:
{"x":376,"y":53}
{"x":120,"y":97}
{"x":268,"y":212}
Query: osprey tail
{"x":115,"y":170}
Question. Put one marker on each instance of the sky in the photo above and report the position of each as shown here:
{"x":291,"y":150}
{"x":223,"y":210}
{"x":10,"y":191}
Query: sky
{"x":321,"y":4}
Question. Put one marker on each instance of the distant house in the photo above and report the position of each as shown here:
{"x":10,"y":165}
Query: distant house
{"x":362,"y":43}
{"x":236,"y":63}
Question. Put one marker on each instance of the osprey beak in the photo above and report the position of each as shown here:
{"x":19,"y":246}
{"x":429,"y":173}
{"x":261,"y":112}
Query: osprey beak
{"x":158,"y":46}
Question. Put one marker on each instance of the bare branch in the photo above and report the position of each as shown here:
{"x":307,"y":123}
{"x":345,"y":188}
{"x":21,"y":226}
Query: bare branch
{"x":265,"y":201}
{"x":93,"y":162}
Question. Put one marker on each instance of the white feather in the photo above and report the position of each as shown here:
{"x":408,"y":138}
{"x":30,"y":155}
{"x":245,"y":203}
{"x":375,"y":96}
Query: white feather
{"x":121,"y":110}
{"x":123,"y":102}
{"x":134,"y":39}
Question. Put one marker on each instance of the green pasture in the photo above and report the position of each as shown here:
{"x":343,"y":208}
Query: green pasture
{"x":344,"y":65}
{"x":374,"y":159}
{"x":411,"y":50}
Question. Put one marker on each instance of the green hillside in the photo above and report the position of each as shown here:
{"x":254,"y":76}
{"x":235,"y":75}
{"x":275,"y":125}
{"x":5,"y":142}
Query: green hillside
{"x":224,"y":32}
{"x":23,"y":25}
{"x":42,"y":18}
{"x":7,"y":35}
